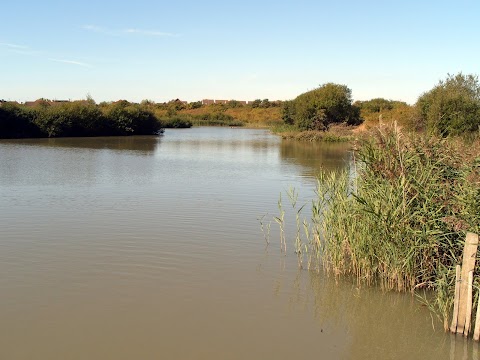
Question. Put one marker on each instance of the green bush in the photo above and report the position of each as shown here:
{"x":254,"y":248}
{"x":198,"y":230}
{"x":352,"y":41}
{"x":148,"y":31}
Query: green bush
{"x":79,"y":118}
{"x":17,"y":122}
{"x":453,"y":106}
{"x":318,"y":109}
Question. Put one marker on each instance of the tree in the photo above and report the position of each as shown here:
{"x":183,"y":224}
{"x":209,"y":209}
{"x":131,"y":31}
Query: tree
{"x":17,"y":122}
{"x":195,"y":105}
{"x":377,"y":105}
{"x":288,"y":112}
{"x":452,"y":107}
{"x":265,"y":103}
{"x":256,"y":103}
{"x":319,"y":108}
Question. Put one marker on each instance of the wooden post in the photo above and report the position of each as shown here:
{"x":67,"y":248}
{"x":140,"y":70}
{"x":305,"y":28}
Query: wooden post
{"x":468,"y":314}
{"x":453,"y":327}
{"x":476,"y":333}
{"x":469,"y":256}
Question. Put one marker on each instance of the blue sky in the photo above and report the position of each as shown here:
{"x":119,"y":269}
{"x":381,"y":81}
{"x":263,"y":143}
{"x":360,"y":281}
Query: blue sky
{"x":161,"y":50}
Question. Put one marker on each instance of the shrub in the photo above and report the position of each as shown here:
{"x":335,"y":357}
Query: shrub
{"x":453,"y":106}
{"x":319,"y":108}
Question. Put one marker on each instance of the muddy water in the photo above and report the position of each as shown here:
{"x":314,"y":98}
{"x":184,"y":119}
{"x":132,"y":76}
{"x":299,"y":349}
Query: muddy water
{"x":150,"y":247}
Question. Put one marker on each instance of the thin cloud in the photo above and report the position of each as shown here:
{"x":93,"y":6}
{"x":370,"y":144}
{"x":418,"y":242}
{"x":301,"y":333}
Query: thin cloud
{"x":142,"y":32}
{"x":149,"y":33}
{"x":25,"y":50}
{"x":13,"y":46}
{"x":71,"y":62}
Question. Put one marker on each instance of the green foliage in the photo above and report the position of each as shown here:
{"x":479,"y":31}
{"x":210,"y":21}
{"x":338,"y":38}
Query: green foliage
{"x":266,"y":104}
{"x":232,"y":104}
{"x":176,"y":121}
{"x":318,"y":109}
{"x":256,"y":103}
{"x":128,"y":119}
{"x":288,"y":112}
{"x":176,"y":105}
{"x":16,"y":122}
{"x":378,"y":105}
{"x":401,"y":219}
{"x":398,"y":217}
{"x":216,"y":119}
{"x":453,"y":106}
{"x":79,"y":118}
{"x":195,"y":105}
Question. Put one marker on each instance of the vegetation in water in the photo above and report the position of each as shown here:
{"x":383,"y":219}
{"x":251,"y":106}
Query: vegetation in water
{"x":399,"y":216}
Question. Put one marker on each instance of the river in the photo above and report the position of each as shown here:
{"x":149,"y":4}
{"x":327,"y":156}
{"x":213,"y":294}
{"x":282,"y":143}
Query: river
{"x":150,"y":247}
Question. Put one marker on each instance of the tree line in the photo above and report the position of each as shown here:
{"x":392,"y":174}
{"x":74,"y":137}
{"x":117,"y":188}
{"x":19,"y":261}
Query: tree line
{"x":78,"y":118}
{"x":452,"y":107}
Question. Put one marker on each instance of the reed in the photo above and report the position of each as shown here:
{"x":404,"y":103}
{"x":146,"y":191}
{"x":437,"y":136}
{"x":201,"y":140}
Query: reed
{"x":398,"y":217}
{"x":292,"y":194}
{"x":281,"y":223}
{"x":265,"y":226}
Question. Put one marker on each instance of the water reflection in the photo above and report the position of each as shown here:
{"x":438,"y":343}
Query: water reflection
{"x":77,"y":161}
{"x":374,"y":324}
{"x":143,"y":144}
{"x":314,"y":157}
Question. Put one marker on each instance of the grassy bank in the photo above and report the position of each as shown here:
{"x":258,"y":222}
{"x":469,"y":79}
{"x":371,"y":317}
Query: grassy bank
{"x":336,"y":133}
{"x":221,"y":115}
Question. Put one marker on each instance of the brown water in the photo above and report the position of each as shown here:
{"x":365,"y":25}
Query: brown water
{"x":150,"y":248}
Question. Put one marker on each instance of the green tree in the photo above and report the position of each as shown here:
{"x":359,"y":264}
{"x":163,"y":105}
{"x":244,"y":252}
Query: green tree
{"x":319,"y":108}
{"x":452,"y":107}
{"x":376,"y":105}
{"x":288,"y":112}
{"x":232,"y":104}
{"x":265,"y":103}
{"x":17,"y":122}
{"x":195,"y":105}
{"x":256,"y":103}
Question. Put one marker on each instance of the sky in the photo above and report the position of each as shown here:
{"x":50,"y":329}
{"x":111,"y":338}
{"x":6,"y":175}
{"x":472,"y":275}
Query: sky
{"x":242,"y":50}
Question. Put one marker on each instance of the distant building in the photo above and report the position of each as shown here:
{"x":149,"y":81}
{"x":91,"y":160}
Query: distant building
{"x":208,"y":102}
{"x":45,"y":102}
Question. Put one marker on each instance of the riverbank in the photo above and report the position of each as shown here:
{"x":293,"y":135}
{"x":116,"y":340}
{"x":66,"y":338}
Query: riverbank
{"x":336,"y":133}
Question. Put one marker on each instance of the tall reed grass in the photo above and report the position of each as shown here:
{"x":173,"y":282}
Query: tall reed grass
{"x":399,"y":216}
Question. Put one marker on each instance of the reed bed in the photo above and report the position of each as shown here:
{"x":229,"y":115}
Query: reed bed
{"x":398,"y":217}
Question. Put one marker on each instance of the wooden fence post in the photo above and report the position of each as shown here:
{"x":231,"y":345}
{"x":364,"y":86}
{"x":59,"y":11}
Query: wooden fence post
{"x":468,"y":264}
{"x":476,"y":333}
{"x":468,"y":314}
{"x":453,"y":327}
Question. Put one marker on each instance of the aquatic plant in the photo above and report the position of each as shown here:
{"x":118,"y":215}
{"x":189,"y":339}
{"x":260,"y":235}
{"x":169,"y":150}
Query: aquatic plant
{"x":281,"y":222}
{"x":398,"y":217}
{"x":265,"y":228}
